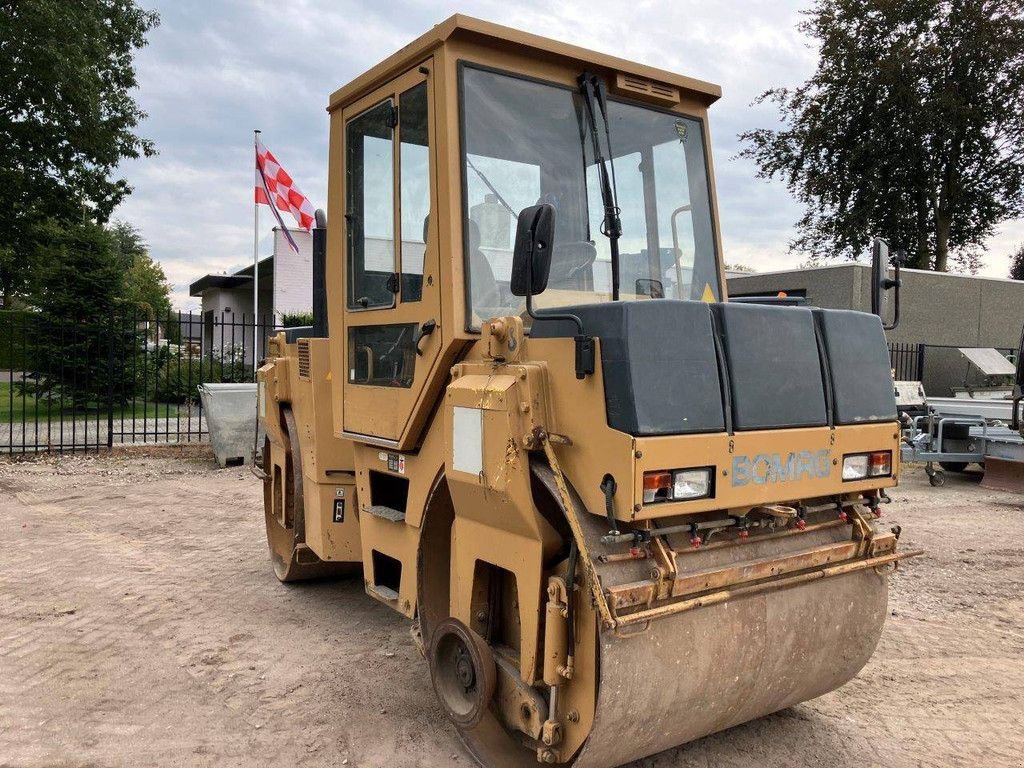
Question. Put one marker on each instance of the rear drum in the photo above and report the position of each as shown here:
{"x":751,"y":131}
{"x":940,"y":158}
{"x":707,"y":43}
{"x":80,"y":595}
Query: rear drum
{"x":284,"y":511}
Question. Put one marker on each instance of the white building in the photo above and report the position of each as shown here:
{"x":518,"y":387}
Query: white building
{"x":285,"y":287}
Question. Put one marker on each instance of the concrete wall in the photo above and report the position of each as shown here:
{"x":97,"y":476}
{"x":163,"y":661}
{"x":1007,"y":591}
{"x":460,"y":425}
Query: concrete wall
{"x":832,"y":287}
{"x":936,"y":309}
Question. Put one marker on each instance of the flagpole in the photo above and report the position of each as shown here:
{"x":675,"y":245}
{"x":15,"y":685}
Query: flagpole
{"x":255,"y":268}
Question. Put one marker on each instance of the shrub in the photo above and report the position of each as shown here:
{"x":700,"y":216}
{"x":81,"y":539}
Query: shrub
{"x":179,"y":379}
{"x":296,"y":319}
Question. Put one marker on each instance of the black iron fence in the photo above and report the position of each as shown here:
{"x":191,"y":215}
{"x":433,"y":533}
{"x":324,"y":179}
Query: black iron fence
{"x":69,"y":386}
{"x":942,"y":368}
{"x":907,"y":361}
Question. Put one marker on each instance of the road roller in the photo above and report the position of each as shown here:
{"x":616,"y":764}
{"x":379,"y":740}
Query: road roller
{"x":620,"y":511}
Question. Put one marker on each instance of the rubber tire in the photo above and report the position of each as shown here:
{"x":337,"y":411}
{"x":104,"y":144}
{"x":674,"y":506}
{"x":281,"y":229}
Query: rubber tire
{"x":451,"y":634}
{"x":937,"y":479}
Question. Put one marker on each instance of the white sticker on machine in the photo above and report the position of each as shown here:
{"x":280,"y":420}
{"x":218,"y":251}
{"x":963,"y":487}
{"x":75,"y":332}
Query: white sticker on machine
{"x":468,"y":440}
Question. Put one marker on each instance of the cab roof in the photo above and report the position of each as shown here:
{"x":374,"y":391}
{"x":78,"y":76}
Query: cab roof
{"x":469,"y":26}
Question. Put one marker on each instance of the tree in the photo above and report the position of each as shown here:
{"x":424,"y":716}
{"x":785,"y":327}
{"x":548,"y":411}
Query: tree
{"x":128,"y":243}
{"x":739,"y":268}
{"x":911,"y":128}
{"x":67,"y":117}
{"x":1017,"y":264}
{"x":145,"y":284}
{"x":79,"y":288}
{"x":146,"y":287}
{"x":79,"y":278}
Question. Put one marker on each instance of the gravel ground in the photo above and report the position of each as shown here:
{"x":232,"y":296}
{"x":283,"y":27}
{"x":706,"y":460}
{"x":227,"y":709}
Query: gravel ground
{"x":140,"y":624}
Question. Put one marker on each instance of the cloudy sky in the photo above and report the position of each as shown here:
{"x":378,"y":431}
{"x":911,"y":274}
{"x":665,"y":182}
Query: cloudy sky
{"x":217,"y":69}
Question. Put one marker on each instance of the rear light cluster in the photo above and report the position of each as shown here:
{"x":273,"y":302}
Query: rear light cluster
{"x":860,"y":466}
{"x":678,"y":484}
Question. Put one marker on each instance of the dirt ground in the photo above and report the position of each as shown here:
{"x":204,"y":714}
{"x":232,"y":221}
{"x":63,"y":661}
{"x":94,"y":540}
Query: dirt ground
{"x":140,"y":624}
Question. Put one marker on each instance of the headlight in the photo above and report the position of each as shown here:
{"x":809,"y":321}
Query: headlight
{"x":859,"y":466}
{"x":678,"y":484}
{"x":691,"y":484}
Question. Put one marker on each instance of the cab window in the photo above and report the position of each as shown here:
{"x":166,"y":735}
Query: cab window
{"x":371,"y":208}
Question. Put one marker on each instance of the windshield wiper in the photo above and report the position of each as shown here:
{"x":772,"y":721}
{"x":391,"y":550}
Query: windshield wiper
{"x":487,"y":183}
{"x":592,"y":89}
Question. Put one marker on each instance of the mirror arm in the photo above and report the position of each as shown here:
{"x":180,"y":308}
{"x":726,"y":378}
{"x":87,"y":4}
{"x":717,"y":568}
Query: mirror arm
{"x":895,"y":283}
{"x":585,"y":358}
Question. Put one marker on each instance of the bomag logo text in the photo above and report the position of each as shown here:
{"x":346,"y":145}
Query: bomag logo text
{"x":766,"y":468}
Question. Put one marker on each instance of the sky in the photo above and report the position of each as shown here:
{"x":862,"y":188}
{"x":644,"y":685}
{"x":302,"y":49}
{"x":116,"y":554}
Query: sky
{"x":215,"y":70}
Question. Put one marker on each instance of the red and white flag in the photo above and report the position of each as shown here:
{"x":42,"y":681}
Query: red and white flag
{"x":274,"y":187}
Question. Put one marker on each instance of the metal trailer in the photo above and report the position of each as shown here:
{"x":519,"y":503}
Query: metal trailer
{"x":956,"y":432}
{"x":951,"y":440}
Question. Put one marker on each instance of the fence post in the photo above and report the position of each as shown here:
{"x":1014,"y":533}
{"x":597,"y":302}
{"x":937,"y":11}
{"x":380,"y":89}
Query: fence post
{"x":110,"y":383}
{"x":920,"y":362}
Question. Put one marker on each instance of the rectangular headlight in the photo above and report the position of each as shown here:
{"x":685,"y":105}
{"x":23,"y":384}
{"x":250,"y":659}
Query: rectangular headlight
{"x":855,"y":467}
{"x":691,"y":484}
{"x":678,"y":484}
{"x":859,"y":466}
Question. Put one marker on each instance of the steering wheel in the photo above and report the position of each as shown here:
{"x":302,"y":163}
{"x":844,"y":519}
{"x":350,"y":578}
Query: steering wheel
{"x":570,"y":259}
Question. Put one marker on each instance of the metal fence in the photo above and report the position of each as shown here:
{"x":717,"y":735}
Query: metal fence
{"x":942,"y":368}
{"x":80,"y":386}
{"x":907,"y":361}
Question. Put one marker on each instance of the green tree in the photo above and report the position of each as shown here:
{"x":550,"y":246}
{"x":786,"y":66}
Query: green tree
{"x":128,"y":243}
{"x":145,"y":284}
{"x":1017,"y":264}
{"x":67,"y":118}
{"x":911,"y":128}
{"x":79,"y":278}
{"x":79,"y":289}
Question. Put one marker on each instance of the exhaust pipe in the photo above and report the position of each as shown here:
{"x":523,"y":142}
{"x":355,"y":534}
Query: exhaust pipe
{"x":320,"y":275}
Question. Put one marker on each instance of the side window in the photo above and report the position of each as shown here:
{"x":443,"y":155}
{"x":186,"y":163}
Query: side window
{"x":371,"y":196}
{"x":382,"y":355}
{"x":414,"y":188}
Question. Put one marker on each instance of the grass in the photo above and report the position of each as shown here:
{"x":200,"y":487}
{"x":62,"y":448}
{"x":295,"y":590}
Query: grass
{"x":15,"y":407}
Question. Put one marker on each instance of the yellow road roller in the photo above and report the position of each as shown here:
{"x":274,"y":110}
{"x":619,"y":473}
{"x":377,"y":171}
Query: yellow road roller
{"x":621,"y":511}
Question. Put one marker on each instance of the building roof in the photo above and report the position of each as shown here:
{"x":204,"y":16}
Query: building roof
{"x":239,"y":279}
{"x":207,"y":282}
{"x":421,"y":46}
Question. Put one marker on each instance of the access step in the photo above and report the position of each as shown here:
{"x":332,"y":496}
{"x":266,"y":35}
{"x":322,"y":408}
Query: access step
{"x":387,"y":594}
{"x":387,"y":513}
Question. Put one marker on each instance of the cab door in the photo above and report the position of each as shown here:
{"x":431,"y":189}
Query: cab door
{"x":392,"y":333}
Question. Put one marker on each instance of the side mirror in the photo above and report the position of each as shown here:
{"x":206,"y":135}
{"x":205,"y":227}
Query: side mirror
{"x":648,"y":287}
{"x":531,"y":259}
{"x":881,"y":282}
{"x":531,"y":264}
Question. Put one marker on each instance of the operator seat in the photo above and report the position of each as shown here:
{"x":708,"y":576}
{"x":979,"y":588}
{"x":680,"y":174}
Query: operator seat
{"x":483,"y":286}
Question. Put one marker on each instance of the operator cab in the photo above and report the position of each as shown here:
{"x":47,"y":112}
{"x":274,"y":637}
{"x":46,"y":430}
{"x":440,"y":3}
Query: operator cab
{"x":442,"y":145}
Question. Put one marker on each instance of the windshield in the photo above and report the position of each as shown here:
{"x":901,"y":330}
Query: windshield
{"x":527,"y":143}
